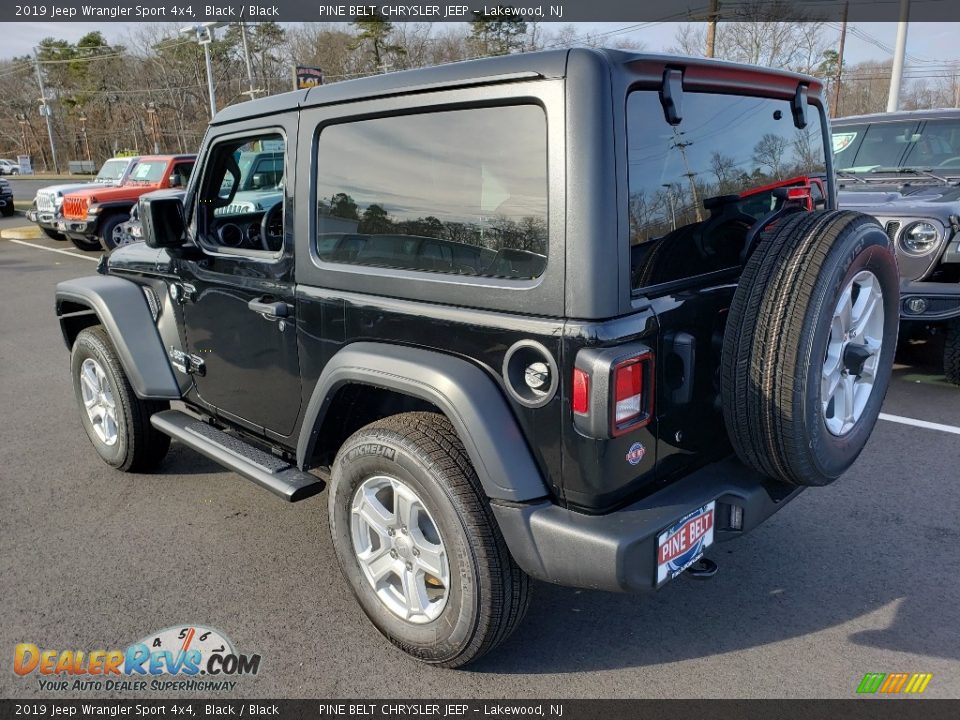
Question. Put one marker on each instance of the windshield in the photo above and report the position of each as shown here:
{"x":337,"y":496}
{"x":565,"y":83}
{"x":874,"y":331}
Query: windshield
{"x":148,"y":172}
{"x":891,"y":146}
{"x":112,"y":171}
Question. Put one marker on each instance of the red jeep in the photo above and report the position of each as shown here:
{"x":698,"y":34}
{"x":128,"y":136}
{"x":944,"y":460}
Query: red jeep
{"x":93,"y":218}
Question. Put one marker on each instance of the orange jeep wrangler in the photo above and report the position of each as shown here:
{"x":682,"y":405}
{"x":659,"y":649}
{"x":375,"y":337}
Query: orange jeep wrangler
{"x":93,"y":218}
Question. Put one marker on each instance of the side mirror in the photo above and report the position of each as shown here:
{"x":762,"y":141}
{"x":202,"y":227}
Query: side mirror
{"x":257,"y":181}
{"x":174,"y":181}
{"x":162,"y":221}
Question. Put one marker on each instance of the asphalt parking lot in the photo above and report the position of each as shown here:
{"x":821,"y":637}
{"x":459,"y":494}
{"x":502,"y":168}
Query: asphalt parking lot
{"x":862,"y":576}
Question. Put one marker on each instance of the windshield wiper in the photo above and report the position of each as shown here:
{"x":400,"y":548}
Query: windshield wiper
{"x":851,"y":176}
{"x":925,"y":172}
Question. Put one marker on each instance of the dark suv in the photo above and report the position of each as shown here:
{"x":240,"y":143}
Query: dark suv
{"x":904,"y":168}
{"x":574,"y":315}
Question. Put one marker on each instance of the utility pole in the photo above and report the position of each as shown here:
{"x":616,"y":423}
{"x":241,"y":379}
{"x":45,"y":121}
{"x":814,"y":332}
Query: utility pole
{"x":712,"y":27}
{"x":682,"y":146}
{"x":22,"y":119}
{"x":896,"y":74}
{"x":83,"y":131}
{"x":151,"y":109}
{"x":204,"y":35}
{"x":843,"y":38}
{"x":252,"y":92}
{"x":45,"y":109}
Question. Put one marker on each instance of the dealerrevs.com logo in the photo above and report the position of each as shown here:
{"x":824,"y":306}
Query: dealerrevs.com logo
{"x":187,"y":658}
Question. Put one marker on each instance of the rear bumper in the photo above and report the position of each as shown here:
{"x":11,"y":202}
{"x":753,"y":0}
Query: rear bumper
{"x":942,"y":300}
{"x":618,"y":551}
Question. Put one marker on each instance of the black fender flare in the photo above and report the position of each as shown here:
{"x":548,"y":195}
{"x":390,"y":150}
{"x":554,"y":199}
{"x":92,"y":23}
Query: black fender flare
{"x":114,"y":205}
{"x":122,"y":309}
{"x":463,"y":392}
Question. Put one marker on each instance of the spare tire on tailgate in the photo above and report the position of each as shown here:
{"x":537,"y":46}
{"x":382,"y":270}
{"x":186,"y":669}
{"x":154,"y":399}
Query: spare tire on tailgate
{"x":809,"y":344}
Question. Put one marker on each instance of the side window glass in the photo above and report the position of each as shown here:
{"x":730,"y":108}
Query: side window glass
{"x":241,"y":194}
{"x":461,"y":192}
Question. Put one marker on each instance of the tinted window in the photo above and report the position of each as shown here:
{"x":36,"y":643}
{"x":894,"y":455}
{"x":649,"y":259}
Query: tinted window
{"x":696,"y":188}
{"x":461,"y":192}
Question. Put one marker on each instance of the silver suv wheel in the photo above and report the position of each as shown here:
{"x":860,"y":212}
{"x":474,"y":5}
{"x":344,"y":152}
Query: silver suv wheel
{"x":853,"y":352}
{"x":98,"y":401}
{"x":399,"y":549}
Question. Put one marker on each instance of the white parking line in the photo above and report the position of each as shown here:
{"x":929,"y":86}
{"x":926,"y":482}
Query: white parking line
{"x":952,"y":429}
{"x":56,"y":250}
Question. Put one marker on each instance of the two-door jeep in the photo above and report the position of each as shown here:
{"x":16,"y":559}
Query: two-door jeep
{"x":574,"y":316}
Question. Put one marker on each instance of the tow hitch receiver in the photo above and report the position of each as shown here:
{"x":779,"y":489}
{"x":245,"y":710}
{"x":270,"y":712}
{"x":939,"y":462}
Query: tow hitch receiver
{"x":702,"y":569}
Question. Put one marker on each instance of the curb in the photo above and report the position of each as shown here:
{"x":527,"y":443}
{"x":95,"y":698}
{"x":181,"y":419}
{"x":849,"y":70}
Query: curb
{"x":26,"y":232}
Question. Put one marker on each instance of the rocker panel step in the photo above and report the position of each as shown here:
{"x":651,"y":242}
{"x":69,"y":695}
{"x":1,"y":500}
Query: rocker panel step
{"x":266,"y":470}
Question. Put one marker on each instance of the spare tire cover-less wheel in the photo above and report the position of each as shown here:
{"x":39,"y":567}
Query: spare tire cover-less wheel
{"x":809,"y":344}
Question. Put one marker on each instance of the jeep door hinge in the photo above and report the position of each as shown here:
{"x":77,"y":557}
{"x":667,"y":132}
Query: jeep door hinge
{"x":186,"y":363}
{"x":183,"y":292}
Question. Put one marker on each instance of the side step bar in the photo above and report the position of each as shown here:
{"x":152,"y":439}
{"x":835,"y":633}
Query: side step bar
{"x":266,"y":470}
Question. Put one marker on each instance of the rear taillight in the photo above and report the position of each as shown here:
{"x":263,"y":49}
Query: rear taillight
{"x":581,"y":392}
{"x":628,"y":391}
{"x":632,"y":405}
{"x":612,"y":390}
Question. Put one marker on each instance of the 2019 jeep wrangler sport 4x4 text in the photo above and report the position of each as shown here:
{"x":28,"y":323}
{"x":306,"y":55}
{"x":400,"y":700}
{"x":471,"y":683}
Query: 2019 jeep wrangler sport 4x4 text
{"x":573,"y":315}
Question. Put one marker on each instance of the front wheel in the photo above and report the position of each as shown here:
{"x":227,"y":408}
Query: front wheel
{"x":418,"y":544}
{"x":112,"y":232}
{"x":8,"y":210}
{"x":116,"y":420}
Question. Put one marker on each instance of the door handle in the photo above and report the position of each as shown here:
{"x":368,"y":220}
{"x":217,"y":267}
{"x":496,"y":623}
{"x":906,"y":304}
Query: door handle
{"x":269,"y":308}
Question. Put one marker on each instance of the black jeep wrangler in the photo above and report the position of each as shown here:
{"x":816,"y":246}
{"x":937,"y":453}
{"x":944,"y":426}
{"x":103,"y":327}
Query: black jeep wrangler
{"x":904,"y":168}
{"x":574,"y":316}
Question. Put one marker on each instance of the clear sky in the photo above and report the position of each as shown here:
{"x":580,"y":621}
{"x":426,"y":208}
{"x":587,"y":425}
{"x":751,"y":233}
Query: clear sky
{"x":925,"y":42}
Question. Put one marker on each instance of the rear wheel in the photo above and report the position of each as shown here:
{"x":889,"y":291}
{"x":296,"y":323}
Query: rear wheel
{"x":53,"y":234}
{"x":809,"y":345}
{"x":418,"y":544}
{"x":8,"y":209}
{"x":951,"y":352}
{"x":116,"y":420}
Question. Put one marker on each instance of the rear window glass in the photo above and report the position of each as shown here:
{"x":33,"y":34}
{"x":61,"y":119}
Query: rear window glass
{"x":696,"y":188}
{"x":461,"y":192}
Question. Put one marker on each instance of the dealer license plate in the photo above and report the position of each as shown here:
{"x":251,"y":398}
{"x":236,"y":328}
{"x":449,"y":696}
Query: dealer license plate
{"x":683,"y":543}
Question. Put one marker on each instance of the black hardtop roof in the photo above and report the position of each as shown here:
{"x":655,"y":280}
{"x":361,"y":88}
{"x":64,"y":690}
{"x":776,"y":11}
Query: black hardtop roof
{"x":900,"y":116}
{"x":520,"y":66}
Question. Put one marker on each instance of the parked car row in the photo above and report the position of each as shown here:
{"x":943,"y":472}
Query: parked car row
{"x":101,"y":215}
{"x":94,"y":215}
